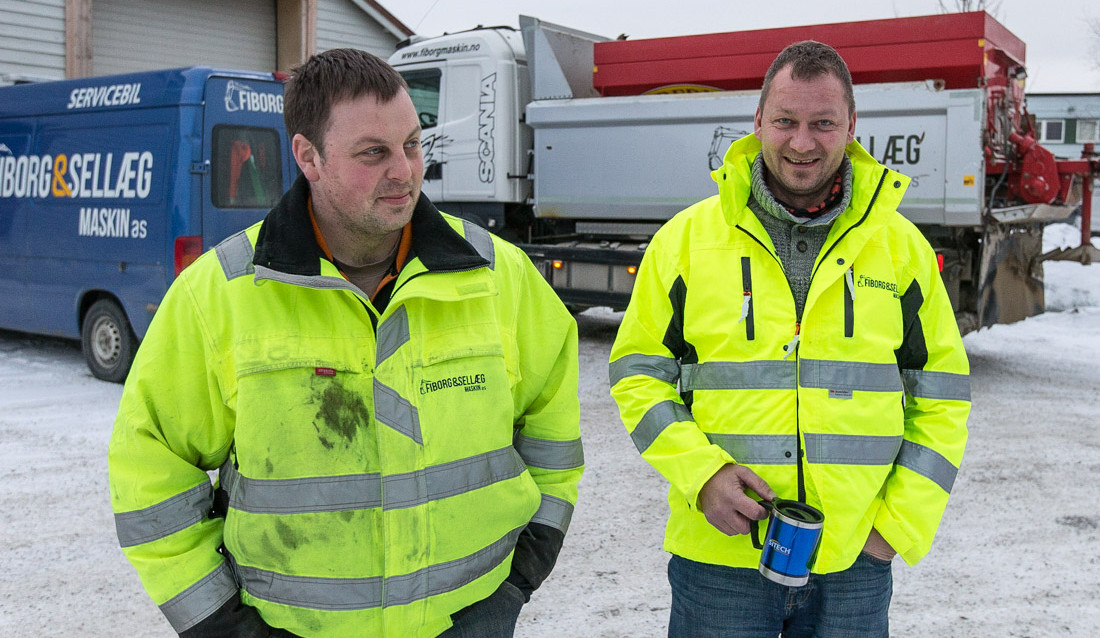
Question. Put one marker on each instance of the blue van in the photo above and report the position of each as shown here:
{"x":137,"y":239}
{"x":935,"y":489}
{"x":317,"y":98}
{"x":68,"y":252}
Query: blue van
{"x":110,"y":186}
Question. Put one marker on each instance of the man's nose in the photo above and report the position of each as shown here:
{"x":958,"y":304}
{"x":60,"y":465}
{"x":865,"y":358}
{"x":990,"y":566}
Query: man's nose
{"x":802,"y":141}
{"x":400,"y":169}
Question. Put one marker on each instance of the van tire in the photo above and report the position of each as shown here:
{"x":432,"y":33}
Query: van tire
{"x":108,"y":341}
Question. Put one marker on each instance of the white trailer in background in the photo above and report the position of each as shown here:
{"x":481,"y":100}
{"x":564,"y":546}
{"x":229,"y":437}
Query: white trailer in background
{"x":517,"y":139}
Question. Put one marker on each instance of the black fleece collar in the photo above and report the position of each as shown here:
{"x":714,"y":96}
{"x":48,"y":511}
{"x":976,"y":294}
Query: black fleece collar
{"x":287,"y":244}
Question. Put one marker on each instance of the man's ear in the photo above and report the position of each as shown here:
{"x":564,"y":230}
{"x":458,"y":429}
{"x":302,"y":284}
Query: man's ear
{"x":852,"y":128}
{"x":757,"y":122}
{"x":307,"y":155}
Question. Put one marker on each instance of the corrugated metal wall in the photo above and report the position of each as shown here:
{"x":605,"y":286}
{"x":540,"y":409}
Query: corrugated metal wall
{"x":32,"y":38}
{"x":340,"y":23}
{"x":137,"y":35}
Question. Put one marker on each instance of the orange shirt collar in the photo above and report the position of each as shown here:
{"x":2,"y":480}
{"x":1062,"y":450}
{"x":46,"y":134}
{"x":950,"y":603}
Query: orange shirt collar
{"x":402,"y":249}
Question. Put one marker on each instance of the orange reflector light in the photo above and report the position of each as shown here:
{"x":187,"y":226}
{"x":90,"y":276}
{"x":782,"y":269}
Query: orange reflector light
{"x":558,"y":264}
{"x":939,"y":260}
{"x":632,"y":270}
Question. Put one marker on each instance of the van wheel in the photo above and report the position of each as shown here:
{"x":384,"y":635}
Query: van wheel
{"x":108,"y":341}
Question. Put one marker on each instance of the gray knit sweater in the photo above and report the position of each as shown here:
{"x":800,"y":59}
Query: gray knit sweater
{"x":797,"y":240}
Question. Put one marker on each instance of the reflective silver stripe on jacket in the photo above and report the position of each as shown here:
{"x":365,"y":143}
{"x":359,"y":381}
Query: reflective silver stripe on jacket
{"x":365,"y":491}
{"x":167,"y":517}
{"x":555,"y":512}
{"x":550,"y":455}
{"x":762,"y":449}
{"x":746,"y":375}
{"x":928,"y":463}
{"x":838,"y":449}
{"x":849,"y":375}
{"x":926,"y":384}
{"x":448,"y":479}
{"x":391,"y":409}
{"x":235,"y":255}
{"x":187,"y":608}
{"x":392,"y":334}
{"x":302,"y":495}
{"x":655,"y":420}
{"x":851,"y":449}
{"x":481,"y":240}
{"x":664,"y":369}
{"x":764,"y":375}
{"x":366,"y":593}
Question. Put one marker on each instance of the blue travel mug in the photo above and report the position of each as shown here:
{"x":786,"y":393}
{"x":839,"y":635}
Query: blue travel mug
{"x":790,"y":546}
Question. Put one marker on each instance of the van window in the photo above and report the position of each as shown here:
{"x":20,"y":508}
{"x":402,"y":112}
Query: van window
{"x":245,"y":167}
{"x":424,"y":91}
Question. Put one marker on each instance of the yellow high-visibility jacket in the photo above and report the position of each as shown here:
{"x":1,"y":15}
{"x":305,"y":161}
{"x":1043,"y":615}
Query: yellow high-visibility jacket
{"x":379,"y":468}
{"x":859,"y":411}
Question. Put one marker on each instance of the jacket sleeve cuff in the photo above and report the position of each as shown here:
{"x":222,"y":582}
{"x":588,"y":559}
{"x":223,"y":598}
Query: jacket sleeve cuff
{"x":536,"y":552}
{"x":893,"y":532}
{"x":701,"y":479}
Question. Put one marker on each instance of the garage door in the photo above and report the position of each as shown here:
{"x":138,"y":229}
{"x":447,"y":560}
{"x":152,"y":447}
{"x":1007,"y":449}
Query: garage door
{"x":138,"y":35}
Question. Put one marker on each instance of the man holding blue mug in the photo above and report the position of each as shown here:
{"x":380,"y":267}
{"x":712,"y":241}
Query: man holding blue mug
{"x":791,"y":338}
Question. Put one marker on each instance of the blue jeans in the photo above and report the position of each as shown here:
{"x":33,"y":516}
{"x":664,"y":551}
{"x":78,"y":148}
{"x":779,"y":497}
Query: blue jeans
{"x":492,"y":617}
{"x":714,"y":601}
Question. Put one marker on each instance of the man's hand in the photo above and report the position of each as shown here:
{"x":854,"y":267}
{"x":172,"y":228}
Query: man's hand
{"x":725,"y":504}
{"x":877,"y":546}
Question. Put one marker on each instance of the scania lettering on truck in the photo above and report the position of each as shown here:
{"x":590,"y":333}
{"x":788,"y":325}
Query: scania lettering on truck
{"x":110,"y":186}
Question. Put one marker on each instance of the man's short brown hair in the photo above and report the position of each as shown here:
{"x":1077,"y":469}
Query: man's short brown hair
{"x":809,"y":59}
{"x":331,"y":77}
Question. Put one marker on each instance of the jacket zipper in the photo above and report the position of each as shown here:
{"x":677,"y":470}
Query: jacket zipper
{"x":794,"y":341}
{"x":793,"y":344}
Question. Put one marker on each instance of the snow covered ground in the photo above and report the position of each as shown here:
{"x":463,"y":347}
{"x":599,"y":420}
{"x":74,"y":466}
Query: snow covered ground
{"x":1018,"y":553}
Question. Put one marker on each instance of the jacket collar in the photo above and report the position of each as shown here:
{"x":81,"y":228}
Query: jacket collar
{"x":734,"y":180}
{"x":286,"y":242}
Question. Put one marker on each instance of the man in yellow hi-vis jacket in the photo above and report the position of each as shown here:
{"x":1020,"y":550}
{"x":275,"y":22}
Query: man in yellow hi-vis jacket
{"x":791,"y":337}
{"x":389,"y":394}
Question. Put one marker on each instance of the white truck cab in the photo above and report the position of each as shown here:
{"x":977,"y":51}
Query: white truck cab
{"x":470,"y":89}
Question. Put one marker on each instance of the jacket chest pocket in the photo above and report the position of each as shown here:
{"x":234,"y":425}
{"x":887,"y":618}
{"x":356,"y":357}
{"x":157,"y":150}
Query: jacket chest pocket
{"x":870,"y":305}
{"x":447,"y":383}
{"x":303,"y":407}
{"x":740,"y":312}
{"x":465,"y":395}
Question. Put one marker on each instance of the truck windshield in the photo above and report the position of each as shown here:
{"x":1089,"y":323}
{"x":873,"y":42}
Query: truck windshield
{"x":245,"y":167}
{"x":424,"y":91}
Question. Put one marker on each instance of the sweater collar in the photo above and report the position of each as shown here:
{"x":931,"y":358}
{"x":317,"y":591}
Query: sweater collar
{"x":764,"y":196}
{"x":734,"y":180}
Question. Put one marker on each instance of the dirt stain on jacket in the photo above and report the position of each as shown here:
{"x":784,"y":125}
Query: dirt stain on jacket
{"x":341,"y":412}
{"x":287,"y":535}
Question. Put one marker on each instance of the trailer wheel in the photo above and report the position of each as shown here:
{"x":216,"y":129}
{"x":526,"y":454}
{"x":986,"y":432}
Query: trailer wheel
{"x":108,"y":341}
